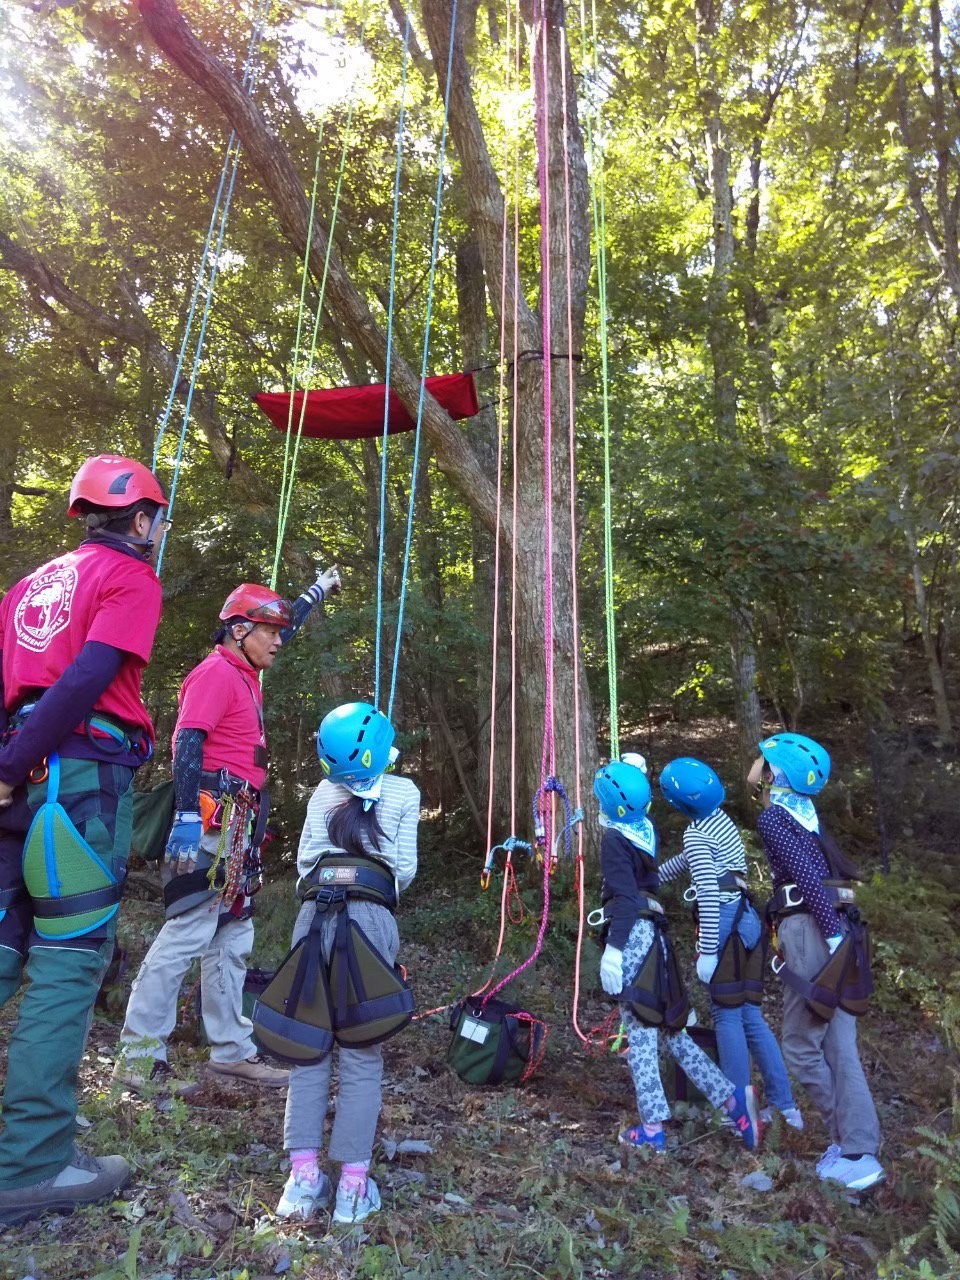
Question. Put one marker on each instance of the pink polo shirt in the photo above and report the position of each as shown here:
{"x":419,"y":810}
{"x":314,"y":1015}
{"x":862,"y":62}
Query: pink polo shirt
{"x":93,"y":593}
{"x":222,"y":697}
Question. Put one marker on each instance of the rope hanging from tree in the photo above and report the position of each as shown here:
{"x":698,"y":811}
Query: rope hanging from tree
{"x":209,"y":267}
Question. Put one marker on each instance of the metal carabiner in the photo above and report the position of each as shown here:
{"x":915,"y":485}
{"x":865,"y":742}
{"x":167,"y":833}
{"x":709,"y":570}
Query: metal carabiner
{"x":597,"y":919}
{"x":774,"y":966}
{"x":484,"y":879}
{"x":690,"y":895}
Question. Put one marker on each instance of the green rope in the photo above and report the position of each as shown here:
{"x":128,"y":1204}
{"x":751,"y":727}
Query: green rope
{"x":281,"y":518}
{"x":598,"y":205}
{"x":286,"y":491}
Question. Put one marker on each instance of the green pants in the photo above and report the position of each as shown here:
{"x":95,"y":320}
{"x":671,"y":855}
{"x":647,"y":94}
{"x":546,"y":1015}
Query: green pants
{"x":48,"y":1041}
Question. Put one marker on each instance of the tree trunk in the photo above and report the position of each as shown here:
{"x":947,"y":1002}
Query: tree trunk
{"x":722,"y":341}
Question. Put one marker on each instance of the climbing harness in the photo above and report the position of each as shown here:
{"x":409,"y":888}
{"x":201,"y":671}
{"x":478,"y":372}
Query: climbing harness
{"x":846,"y":980}
{"x":657,"y":994}
{"x":74,"y":892}
{"x":738,"y":977}
{"x":355,"y":999}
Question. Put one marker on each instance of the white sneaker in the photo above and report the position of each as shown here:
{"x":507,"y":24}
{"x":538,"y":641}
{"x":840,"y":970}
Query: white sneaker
{"x":856,"y":1175}
{"x":791,"y":1116}
{"x":303,"y":1194}
{"x":828,"y":1159}
{"x":351,"y":1206}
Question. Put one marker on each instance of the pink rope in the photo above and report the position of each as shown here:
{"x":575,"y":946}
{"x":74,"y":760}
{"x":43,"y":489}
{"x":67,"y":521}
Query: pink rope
{"x":575,"y":604}
{"x":542,"y":101}
{"x":540,"y":936}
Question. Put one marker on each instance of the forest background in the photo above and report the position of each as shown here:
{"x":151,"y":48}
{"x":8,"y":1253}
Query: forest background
{"x":781,"y":213}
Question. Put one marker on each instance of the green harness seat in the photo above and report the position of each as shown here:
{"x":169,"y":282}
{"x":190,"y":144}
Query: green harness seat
{"x":74,"y":892}
{"x":356,"y":999}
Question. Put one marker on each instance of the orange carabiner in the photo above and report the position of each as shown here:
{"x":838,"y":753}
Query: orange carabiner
{"x":484,"y":879}
{"x":39,"y":773}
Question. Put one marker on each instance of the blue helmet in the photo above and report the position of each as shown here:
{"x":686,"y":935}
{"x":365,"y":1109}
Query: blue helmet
{"x":623,"y":791}
{"x":804,"y":762}
{"x":692,"y":787}
{"x":353,"y":742}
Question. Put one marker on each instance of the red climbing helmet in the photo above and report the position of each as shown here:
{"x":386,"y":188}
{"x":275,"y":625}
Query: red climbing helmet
{"x":109,"y":481}
{"x":257,"y":603}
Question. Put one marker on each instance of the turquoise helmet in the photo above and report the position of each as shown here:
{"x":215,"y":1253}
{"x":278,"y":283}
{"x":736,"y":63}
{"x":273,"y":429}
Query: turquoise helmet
{"x":353,"y":742}
{"x":692,"y":787}
{"x":623,"y":791}
{"x":804,"y":762}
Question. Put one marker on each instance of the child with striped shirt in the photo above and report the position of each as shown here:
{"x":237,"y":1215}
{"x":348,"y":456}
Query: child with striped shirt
{"x":714,"y":856}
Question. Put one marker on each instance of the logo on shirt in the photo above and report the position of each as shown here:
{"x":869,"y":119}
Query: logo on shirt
{"x":44,"y":610}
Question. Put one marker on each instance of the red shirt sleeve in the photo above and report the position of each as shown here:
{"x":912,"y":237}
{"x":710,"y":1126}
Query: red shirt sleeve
{"x":128,"y":612}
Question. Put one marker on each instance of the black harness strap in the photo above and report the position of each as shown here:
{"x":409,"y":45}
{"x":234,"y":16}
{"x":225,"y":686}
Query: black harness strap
{"x":77,"y":903}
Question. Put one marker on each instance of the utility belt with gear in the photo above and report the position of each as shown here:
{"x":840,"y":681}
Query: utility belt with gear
{"x":846,"y":980}
{"x":218,"y":788}
{"x":355,"y":999}
{"x":108,"y":734}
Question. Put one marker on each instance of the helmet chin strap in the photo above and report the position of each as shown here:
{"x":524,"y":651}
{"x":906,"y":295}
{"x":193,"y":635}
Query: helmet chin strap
{"x":239,"y":644}
{"x":143,"y":545}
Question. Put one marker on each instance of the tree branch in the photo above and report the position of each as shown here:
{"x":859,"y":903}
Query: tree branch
{"x":275,"y":167}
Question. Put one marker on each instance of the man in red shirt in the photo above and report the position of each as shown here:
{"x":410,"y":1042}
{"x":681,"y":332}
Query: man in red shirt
{"x":212,"y":864}
{"x":75,"y":636}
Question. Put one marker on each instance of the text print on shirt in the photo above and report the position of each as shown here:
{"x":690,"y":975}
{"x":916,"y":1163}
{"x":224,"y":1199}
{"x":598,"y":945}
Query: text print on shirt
{"x":44,"y":610}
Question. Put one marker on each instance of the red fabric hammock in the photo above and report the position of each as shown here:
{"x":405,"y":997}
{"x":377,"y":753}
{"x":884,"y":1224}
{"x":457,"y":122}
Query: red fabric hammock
{"x":352,"y":413}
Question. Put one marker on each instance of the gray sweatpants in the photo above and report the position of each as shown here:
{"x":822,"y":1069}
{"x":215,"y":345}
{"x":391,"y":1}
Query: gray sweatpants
{"x":642,"y":1056}
{"x":823,"y":1055}
{"x":359,"y":1095}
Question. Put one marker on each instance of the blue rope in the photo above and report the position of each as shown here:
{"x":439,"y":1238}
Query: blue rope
{"x":423,"y":365}
{"x":386,"y":398}
{"x":221,"y":210}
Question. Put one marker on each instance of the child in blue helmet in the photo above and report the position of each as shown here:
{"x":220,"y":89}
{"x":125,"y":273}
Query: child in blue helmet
{"x":358,"y":809}
{"x":714,"y":856}
{"x":628,"y":861}
{"x":822,"y":1055}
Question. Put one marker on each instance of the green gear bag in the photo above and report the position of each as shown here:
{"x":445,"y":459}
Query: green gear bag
{"x":74,"y":892}
{"x":494,"y":1042}
{"x":152,"y":819}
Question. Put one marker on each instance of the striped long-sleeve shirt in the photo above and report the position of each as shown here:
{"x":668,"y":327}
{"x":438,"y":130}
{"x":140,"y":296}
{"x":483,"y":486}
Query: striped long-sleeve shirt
{"x":398,"y":811}
{"x":711,"y":846}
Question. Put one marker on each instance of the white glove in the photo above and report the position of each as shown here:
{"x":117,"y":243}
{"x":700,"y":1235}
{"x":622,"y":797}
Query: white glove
{"x":834,"y":942}
{"x":611,"y":971}
{"x":327,"y":583}
{"x":706,"y":967}
{"x":636,"y":759}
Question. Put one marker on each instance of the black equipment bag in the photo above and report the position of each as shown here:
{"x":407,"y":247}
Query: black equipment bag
{"x":494,"y":1042}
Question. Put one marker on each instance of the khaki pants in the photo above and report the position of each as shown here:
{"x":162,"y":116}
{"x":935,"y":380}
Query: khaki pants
{"x":223,"y":953}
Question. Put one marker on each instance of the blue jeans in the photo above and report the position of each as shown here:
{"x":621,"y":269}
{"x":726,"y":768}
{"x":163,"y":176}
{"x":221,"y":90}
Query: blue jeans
{"x":744,"y":1032}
